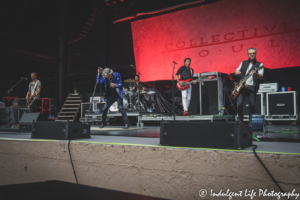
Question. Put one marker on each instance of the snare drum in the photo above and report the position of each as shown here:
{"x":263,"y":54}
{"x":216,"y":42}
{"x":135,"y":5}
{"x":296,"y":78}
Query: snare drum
{"x":143,"y":92}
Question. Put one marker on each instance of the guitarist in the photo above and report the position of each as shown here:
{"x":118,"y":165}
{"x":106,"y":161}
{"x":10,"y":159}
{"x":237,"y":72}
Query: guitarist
{"x":246,"y":68}
{"x":185,"y":73}
{"x":34,"y":90}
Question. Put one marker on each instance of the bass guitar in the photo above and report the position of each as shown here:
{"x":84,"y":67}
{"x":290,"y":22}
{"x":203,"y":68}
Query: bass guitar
{"x":186,"y":83}
{"x":236,"y":89}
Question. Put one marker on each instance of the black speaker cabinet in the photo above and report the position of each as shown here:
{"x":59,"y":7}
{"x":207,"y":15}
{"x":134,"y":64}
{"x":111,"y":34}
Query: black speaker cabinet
{"x":60,"y":130}
{"x":282,"y":105}
{"x":207,"y":97}
{"x":27,"y":118}
{"x":221,"y":135}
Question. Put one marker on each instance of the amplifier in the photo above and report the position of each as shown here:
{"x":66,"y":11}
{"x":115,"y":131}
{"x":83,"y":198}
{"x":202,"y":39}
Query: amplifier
{"x":282,"y":106}
{"x":85,"y":108}
{"x":221,"y":135}
{"x":211,"y":96}
{"x":268,"y":87}
{"x":97,"y":99}
{"x":260,"y":107}
{"x":207,"y":97}
{"x":22,"y":102}
{"x":205,"y":75}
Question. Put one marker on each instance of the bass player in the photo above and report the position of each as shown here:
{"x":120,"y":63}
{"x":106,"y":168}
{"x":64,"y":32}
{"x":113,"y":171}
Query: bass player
{"x":246,"y":68}
{"x":186,"y":73}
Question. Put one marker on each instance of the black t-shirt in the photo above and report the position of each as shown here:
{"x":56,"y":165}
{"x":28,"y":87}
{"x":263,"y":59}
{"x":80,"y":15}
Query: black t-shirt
{"x":185,"y":73}
{"x":140,"y":87}
{"x":110,"y":91}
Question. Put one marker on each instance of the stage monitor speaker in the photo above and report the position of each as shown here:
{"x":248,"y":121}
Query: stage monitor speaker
{"x":21,"y":111}
{"x":60,"y":130}
{"x":27,"y":118}
{"x":282,"y":103}
{"x":258,"y":106}
{"x":221,"y":135}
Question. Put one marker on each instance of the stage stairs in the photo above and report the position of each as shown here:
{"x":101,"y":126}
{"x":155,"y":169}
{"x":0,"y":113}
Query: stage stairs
{"x":70,"y":109}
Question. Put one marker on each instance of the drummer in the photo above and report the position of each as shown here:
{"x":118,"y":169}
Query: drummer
{"x":137,"y":85}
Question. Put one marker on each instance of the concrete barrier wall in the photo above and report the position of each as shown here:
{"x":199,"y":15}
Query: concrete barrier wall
{"x":172,"y":173}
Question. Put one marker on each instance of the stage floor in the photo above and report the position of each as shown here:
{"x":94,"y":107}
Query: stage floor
{"x":280,"y":139}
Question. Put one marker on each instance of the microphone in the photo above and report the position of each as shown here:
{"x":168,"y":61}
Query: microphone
{"x":175,"y":62}
{"x":24,"y":78}
{"x":98,"y":72}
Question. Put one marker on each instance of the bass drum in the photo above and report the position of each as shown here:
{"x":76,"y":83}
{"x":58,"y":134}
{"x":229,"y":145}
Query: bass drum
{"x":114,"y":106}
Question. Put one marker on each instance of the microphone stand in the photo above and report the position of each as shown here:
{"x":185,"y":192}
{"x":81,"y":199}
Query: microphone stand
{"x":138,"y":89}
{"x":173,"y":92}
{"x":139,"y":124}
{"x":92,"y":98}
{"x":8,"y":92}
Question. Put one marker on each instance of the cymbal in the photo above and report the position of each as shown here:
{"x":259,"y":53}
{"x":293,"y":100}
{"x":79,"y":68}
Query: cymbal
{"x":129,"y":80}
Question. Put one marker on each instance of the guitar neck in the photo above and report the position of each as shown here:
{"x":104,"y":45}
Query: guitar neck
{"x":191,"y":81}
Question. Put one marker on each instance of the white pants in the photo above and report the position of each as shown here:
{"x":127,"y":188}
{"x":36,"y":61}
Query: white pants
{"x":186,"y":97}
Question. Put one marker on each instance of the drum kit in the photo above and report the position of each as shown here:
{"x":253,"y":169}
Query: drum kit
{"x":131,"y":95}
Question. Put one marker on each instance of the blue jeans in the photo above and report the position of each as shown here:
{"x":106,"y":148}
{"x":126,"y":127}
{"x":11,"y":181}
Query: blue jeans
{"x":109,"y":101}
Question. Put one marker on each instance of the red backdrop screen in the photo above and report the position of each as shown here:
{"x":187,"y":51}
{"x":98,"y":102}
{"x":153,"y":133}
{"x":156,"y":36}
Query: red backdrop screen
{"x":216,"y":37}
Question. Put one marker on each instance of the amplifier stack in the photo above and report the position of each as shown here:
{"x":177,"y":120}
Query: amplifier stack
{"x":274,"y":106}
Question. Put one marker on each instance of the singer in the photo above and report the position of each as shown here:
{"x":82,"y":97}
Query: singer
{"x":185,"y":73}
{"x":33,"y":93}
{"x":113,"y":92}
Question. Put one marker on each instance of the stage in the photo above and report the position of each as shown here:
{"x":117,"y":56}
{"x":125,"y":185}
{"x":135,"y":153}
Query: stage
{"x":281,"y":139}
{"x":133,"y":161}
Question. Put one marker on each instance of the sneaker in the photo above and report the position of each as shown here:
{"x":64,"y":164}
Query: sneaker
{"x":102,"y":125}
{"x":127,"y":126}
{"x":185,"y":113}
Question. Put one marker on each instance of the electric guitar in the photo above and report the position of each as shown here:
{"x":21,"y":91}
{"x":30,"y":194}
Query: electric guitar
{"x":236,"y":89}
{"x":185,"y":83}
{"x":30,"y":100}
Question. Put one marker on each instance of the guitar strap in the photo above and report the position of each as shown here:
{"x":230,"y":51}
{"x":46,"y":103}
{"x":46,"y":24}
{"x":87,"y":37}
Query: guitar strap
{"x":250,"y":70}
{"x":35,"y":86}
